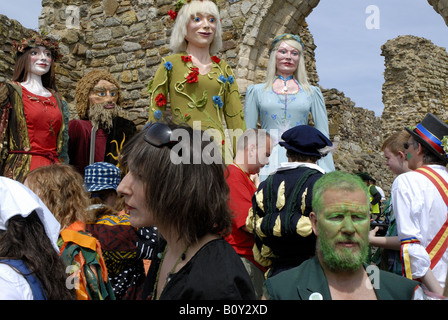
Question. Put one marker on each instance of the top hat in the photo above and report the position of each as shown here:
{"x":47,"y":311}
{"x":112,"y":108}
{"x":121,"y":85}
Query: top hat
{"x":101,"y":176}
{"x":305,"y":139}
{"x":433,"y":134}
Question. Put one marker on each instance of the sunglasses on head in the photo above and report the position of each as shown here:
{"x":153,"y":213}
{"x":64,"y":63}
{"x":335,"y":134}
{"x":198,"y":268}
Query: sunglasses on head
{"x":158,"y":135}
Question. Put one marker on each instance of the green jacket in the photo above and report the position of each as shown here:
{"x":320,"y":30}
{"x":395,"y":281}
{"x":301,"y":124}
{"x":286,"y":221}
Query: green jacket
{"x":300,"y":282}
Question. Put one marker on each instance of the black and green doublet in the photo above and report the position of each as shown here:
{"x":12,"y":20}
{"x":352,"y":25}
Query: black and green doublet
{"x":280,"y":220}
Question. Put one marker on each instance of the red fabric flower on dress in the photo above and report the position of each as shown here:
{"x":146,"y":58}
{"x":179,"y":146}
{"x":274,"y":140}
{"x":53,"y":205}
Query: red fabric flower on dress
{"x":193,"y":75}
{"x":186,"y":58}
{"x":161,"y":100}
{"x":216,"y":59}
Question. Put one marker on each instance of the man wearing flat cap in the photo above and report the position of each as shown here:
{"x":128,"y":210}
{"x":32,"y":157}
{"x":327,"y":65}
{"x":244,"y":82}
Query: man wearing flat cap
{"x":279,"y":217}
{"x":420,"y":200}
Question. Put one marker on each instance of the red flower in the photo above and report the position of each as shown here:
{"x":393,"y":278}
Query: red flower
{"x":161,"y":100}
{"x":172,"y":14}
{"x":186,"y":58}
{"x":216,"y":59}
{"x":193,"y":75}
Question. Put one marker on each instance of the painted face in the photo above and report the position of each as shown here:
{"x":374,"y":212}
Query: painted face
{"x":132,"y":189}
{"x":411,"y":154}
{"x":287,"y":60}
{"x":105,"y":93}
{"x":343,"y":229}
{"x":394,"y":162}
{"x":201,"y":30}
{"x":40,"y":60}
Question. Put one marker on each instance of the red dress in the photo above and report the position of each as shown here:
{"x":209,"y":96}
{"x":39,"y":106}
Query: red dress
{"x":44,"y":121}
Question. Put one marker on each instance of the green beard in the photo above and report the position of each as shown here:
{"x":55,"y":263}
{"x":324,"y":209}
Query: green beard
{"x":344,"y":259}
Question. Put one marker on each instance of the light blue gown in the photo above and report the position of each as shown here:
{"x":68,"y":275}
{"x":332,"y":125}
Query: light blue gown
{"x":280,"y":112}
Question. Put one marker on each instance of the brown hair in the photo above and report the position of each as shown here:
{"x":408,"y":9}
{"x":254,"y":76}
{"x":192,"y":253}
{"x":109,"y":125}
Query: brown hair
{"x":395,"y":142}
{"x":86,"y":84}
{"x":187,"y":198}
{"x":61,"y":188}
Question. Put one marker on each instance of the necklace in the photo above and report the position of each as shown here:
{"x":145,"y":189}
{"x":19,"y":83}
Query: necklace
{"x":285,"y":87}
{"x":182,"y":257}
{"x":247,"y":175}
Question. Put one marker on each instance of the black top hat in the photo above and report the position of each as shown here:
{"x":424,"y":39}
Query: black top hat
{"x":430,"y":133}
{"x":306,"y":140}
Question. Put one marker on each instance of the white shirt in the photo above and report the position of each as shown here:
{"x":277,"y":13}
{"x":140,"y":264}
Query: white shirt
{"x":13,"y":286}
{"x":420,"y":213}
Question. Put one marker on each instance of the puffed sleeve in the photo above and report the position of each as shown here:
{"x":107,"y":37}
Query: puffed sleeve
{"x":320,"y":118}
{"x":5,"y":107}
{"x":251,"y":107}
{"x":158,"y":88}
{"x":64,"y":149}
{"x":407,"y":204}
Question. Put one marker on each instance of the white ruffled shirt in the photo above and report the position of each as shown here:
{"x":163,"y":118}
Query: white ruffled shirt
{"x":420,"y":212}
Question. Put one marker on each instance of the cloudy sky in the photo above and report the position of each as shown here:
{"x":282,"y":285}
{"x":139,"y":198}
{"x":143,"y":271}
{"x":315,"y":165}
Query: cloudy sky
{"x":348,"y":34}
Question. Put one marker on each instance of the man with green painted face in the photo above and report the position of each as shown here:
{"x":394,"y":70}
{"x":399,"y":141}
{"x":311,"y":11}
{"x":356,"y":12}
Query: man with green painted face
{"x":340,"y":220}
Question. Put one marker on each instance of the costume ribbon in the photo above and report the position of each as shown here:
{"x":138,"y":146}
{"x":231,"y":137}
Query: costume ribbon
{"x":429,"y":137}
{"x":439,"y":244}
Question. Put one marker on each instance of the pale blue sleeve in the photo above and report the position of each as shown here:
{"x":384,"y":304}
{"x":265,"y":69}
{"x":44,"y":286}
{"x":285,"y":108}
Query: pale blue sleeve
{"x":251,"y":107}
{"x":320,"y":118}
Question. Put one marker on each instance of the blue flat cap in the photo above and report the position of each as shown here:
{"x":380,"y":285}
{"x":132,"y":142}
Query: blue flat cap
{"x":305,"y":139}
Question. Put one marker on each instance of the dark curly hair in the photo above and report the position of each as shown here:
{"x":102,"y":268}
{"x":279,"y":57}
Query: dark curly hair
{"x":26,"y":240}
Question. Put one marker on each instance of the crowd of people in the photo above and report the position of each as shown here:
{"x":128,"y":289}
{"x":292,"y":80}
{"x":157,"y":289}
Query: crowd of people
{"x":207,"y":201}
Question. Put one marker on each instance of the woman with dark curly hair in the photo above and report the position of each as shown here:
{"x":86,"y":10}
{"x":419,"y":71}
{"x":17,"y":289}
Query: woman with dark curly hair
{"x":176,"y":182}
{"x":30,"y":267}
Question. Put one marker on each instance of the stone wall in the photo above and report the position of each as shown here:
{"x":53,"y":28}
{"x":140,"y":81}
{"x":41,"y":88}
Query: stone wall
{"x":10,"y":30}
{"x":416,"y":82}
{"x":441,"y":7}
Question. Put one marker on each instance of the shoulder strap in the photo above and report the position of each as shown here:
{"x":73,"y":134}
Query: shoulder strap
{"x":36,"y":287}
{"x":439,"y":244}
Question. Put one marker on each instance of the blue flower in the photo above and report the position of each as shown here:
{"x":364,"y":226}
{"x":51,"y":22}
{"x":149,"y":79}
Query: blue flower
{"x":222,"y":78}
{"x":168,"y":65}
{"x":231,"y":79}
{"x":217,"y":101}
{"x":157,"y":114}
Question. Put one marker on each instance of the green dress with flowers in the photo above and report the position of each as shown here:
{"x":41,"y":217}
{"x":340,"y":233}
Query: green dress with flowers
{"x":212,"y":98}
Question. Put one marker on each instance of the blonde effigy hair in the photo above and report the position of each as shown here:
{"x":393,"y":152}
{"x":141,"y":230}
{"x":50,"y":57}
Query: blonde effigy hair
{"x":300,"y":75}
{"x":189,"y":9}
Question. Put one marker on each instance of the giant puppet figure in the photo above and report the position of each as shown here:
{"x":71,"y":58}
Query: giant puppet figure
{"x":99,"y":133}
{"x":33,"y":115}
{"x":199,"y":87}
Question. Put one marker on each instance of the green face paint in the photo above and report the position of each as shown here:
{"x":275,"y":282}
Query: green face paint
{"x":408,"y":156}
{"x":343,"y":235}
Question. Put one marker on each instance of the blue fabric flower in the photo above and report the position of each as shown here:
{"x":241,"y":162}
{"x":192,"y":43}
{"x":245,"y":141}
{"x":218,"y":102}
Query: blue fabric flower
{"x":217,"y":101}
{"x":231,"y":79}
{"x":157,"y":114}
{"x":222,"y":78}
{"x":168,"y":65}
